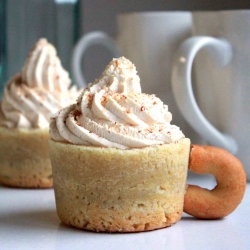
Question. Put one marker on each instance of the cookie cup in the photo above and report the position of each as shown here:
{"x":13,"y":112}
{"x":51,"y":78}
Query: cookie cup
{"x":113,"y":190}
{"x":24,"y":158}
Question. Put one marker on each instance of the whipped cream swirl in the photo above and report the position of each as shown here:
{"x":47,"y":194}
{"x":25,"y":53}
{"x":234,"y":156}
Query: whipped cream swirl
{"x":33,"y":95}
{"x":112,"y":112}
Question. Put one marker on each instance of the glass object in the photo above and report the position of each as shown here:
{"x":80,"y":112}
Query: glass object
{"x":23,"y":22}
{"x":3,"y":61}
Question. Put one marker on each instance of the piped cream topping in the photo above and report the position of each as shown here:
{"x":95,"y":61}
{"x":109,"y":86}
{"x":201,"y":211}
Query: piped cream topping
{"x":112,"y":112}
{"x":33,"y":95}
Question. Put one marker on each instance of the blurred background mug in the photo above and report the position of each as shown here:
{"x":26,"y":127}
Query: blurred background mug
{"x":219,"y":108}
{"x":149,"y":40}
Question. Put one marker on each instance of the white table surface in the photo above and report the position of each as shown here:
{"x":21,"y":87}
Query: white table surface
{"x":28,"y":220}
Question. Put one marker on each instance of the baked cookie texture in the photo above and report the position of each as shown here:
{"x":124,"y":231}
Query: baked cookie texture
{"x":24,"y":158}
{"x":114,"y":190}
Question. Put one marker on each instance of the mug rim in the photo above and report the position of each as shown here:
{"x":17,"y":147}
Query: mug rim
{"x":154,"y":13}
{"x":229,"y":11}
{"x":177,"y":12}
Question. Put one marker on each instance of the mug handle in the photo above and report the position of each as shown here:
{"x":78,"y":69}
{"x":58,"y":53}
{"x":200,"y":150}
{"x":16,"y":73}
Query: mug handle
{"x":221,"y":50}
{"x":89,"y":39}
{"x":231,"y":183}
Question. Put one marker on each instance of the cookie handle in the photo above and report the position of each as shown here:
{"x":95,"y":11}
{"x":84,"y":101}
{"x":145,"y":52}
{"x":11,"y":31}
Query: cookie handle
{"x":231,"y":183}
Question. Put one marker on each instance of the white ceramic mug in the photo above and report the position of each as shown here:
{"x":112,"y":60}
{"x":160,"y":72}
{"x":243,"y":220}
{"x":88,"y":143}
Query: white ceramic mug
{"x":149,"y":40}
{"x":219,"y":109}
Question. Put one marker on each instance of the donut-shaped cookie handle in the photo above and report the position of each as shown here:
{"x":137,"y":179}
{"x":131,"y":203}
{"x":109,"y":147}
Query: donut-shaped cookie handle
{"x":231,"y":183}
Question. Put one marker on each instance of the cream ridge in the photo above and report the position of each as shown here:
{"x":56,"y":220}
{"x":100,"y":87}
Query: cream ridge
{"x":112,"y":112}
{"x":35,"y":93}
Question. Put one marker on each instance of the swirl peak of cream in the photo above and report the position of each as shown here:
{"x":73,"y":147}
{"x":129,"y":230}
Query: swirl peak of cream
{"x":43,"y":68}
{"x":39,"y":90}
{"x":112,"y":112}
